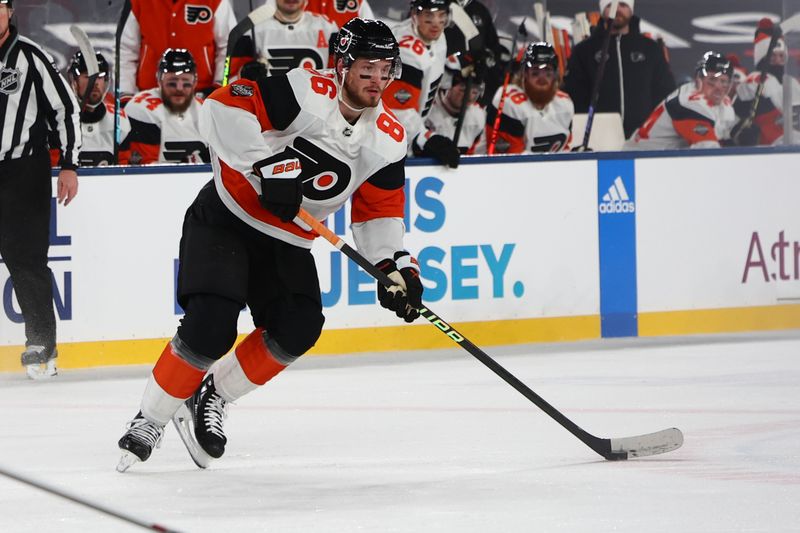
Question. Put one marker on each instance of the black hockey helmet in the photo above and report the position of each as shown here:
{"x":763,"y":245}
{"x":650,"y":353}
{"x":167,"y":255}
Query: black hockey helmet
{"x":368,"y":39}
{"x":8,"y":3}
{"x":177,"y":61}
{"x":714,"y":64}
{"x":77,"y":65}
{"x":540,"y":55}
{"x":430,"y":5}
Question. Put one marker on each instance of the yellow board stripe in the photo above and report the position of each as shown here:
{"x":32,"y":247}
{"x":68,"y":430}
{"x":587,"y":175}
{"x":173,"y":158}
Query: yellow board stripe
{"x":731,"y":320}
{"x":423,"y":336}
{"x":342,"y":341}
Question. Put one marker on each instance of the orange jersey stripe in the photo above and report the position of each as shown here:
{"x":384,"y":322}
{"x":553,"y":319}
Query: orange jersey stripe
{"x":253,"y":104}
{"x":393,"y":100}
{"x":371,"y":202}
{"x":695,"y":131}
{"x":247,"y":198}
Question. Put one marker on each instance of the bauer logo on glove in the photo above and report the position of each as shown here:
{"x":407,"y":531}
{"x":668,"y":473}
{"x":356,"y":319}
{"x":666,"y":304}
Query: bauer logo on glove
{"x":281,"y":183}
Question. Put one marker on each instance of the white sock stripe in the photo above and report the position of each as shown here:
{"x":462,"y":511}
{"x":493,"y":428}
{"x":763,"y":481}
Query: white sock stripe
{"x":230,"y":380}
{"x":157,"y":404}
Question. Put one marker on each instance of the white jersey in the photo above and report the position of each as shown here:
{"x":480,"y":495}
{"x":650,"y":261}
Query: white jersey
{"x":160,"y":136}
{"x":303,"y":44}
{"x":440,"y":122}
{"x":98,"y":136}
{"x":526,"y":128}
{"x":769,"y":116}
{"x":248,"y":122}
{"x":685,"y":119}
{"x":411,"y":97}
{"x":97,"y":129}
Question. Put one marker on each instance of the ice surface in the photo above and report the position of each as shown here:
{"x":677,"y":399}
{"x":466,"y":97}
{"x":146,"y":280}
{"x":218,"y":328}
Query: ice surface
{"x":423,"y":442}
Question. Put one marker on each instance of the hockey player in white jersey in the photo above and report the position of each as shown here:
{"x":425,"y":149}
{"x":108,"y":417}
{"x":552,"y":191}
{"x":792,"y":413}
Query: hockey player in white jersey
{"x":293,"y":38}
{"x":446,"y":109}
{"x":423,"y":50}
{"x":164,"y":121}
{"x":97,"y":117}
{"x":697,"y":114}
{"x":310,"y":139}
{"x":764,"y":124}
{"x":537,"y":116}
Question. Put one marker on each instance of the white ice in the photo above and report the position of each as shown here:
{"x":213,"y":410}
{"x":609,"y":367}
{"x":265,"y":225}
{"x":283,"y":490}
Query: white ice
{"x":435,"y":442}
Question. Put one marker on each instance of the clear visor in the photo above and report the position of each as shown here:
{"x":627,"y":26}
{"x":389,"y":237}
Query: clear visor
{"x":385,"y":69}
{"x":540,"y":69}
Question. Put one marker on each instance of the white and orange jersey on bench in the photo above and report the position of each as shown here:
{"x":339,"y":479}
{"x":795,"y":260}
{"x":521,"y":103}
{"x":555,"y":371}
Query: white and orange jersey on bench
{"x":411,"y":97}
{"x":685,"y":119}
{"x":526,"y":128}
{"x":303,"y":44}
{"x":161,"y":136}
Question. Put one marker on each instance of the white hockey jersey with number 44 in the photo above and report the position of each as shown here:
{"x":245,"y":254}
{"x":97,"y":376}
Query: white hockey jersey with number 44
{"x":247,"y":122}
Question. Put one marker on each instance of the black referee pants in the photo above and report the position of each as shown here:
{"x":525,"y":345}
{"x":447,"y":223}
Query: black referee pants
{"x":25,"y":192}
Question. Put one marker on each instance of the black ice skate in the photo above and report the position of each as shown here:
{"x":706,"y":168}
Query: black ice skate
{"x":138,"y":441}
{"x":39,"y":362}
{"x":199,"y":422}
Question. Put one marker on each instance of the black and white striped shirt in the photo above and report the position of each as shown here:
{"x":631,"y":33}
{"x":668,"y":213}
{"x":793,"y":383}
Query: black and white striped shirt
{"x":35,"y":99}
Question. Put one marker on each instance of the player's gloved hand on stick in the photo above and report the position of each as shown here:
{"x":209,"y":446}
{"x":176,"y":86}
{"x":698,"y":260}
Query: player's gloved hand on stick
{"x":443,"y":149}
{"x":281,"y":184}
{"x":405,"y":298}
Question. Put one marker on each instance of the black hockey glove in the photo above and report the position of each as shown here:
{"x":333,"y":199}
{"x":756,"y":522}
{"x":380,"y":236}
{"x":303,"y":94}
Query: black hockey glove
{"x":281,"y":184}
{"x":443,"y":149}
{"x":743,"y":134}
{"x":253,"y":70}
{"x":405,"y":298}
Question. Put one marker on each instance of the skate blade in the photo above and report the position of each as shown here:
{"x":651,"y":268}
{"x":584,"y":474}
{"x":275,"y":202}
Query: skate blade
{"x":183,"y":423}
{"x":127,"y":460}
{"x":41,"y":371}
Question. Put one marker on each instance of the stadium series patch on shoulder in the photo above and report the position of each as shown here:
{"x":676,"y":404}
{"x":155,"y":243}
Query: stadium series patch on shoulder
{"x":241,"y":90}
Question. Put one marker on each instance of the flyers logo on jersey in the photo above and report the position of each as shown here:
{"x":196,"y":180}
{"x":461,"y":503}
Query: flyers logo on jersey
{"x":198,"y":14}
{"x":345,"y":6}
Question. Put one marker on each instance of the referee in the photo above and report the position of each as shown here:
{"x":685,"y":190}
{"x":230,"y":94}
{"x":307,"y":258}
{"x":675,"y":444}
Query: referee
{"x":34,"y":99}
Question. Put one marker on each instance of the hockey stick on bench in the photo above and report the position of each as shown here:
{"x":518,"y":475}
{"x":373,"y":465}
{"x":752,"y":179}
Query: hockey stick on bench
{"x":254,"y":18}
{"x":90,"y":58}
{"x":614,"y":449}
{"x":792,"y":24}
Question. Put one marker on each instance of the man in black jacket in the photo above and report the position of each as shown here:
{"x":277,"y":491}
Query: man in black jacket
{"x":634,"y":90}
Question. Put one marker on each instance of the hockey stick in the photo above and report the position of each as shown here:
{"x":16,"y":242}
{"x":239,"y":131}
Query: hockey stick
{"x":791,"y":24}
{"x":506,"y":79}
{"x":123,"y":18}
{"x":89,"y":56}
{"x":80,"y":500}
{"x":601,"y":68}
{"x":255,"y":17}
{"x":612,"y":449}
{"x":463,"y":22}
{"x":462,"y":112}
